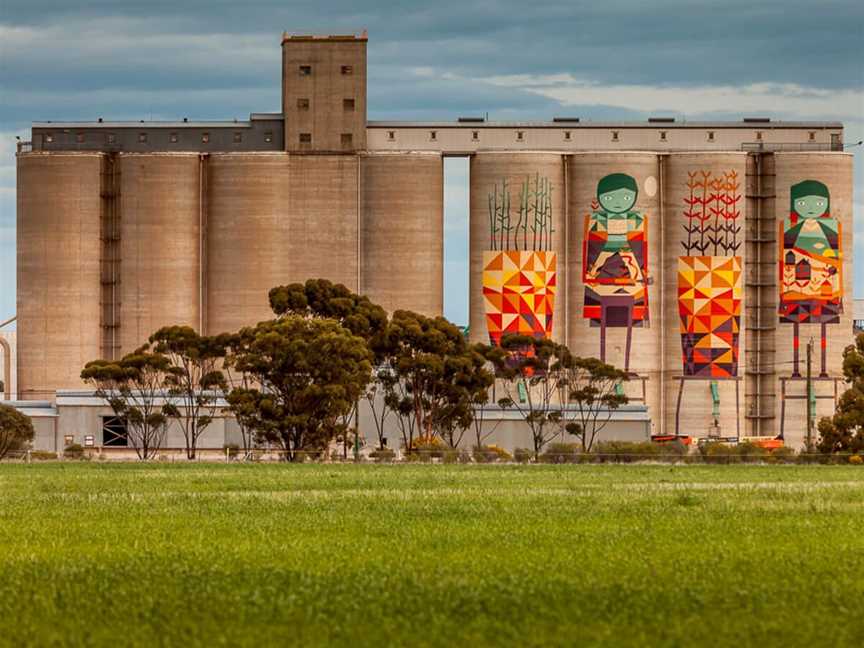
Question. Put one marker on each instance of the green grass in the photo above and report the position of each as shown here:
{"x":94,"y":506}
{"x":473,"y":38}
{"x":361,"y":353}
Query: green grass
{"x":203,"y":555}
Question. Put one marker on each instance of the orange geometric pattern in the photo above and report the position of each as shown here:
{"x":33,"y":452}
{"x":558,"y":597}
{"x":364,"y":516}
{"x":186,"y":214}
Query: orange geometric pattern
{"x":709,"y":305}
{"x":519,"y":292}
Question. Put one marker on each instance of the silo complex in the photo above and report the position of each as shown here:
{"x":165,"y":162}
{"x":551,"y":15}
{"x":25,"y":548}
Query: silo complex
{"x":248,"y":237}
{"x":703,"y":272}
{"x":517,"y":235}
{"x":402,"y":248}
{"x":59,"y":252}
{"x":615,"y":299}
{"x":162,"y":210}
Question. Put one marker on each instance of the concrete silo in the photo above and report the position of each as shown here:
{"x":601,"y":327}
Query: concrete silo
{"x":402,"y":248}
{"x":162,"y":212}
{"x":704,"y":277}
{"x":59,"y":252}
{"x":813,"y":223}
{"x":614,"y":236}
{"x":517,"y":229}
{"x":248,"y":240}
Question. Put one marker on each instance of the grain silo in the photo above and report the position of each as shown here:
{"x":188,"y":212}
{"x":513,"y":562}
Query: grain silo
{"x":704,"y":276}
{"x":162,"y":211}
{"x":814,"y":231}
{"x":517,"y":233}
{"x":248,"y":239}
{"x":402,"y":249}
{"x":614,"y":234}
{"x":59,"y":252}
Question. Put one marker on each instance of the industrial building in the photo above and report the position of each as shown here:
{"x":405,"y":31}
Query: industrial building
{"x":703,"y":256}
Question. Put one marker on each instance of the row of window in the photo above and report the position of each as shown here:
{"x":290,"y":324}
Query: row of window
{"x":615,"y":135}
{"x":143,"y":137}
{"x":306,"y":70}
{"x":304,"y":104}
{"x":346,"y":139}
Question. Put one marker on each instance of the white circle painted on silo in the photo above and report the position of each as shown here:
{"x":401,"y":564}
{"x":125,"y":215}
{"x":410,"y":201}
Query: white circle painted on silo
{"x":651,"y":186}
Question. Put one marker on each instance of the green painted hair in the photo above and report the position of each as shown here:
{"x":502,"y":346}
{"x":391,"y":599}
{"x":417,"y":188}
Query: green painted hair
{"x":616,"y":181}
{"x":809,"y":188}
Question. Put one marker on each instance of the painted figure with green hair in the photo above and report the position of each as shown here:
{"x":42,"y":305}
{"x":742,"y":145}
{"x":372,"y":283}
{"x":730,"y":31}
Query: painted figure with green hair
{"x":615,"y":261}
{"x":811,"y":265}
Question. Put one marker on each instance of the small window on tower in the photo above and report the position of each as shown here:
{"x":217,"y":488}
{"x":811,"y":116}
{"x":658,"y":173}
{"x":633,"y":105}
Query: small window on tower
{"x":391,"y":135}
{"x":347,"y":70}
{"x":111,"y":138}
{"x":49,"y":137}
{"x":305,"y":138}
{"x":173,"y":138}
{"x":475,"y":135}
{"x":142,"y":138}
{"x":614,"y":136}
{"x":348,"y":105}
{"x":567,"y":135}
{"x":79,"y":138}
{"x":268,"y":136}
{"x":347,"y":140}
{"x":238,"y":137}
{"x":303,"y":104}
{"x":710,"y":136}
{"x":759,"y":136}
{"x":662,"y":136}
{"x":520,"y":136}
{"x":205,"y":138}
{"x":433,"y":135}
{"x":305,"y":70}
{"x":812,"y":136}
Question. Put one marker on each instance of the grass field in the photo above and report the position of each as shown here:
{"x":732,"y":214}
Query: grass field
{"x":203,"y":555}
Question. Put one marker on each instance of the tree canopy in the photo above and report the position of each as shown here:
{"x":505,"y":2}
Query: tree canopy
{"x":844,"y":432}
{"x":16,"y":430}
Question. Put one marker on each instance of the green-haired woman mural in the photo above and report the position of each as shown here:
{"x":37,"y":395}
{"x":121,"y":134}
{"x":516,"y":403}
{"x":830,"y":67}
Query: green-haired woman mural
{"x":811,"y":265}
{"x":615,"y":260}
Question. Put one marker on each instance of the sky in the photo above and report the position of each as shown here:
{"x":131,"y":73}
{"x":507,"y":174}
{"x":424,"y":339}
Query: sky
{"x":609,"y":60}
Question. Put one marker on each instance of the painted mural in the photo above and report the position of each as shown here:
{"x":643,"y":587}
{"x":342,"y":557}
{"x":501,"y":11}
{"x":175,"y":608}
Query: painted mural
{"x":615,"y":261}
{"x":709,"y":276}
{"x":811,"y":265}
{"x":520,"y":268}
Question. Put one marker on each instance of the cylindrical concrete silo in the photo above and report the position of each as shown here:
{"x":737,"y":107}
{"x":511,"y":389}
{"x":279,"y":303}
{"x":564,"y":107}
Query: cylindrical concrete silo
{"x":617,"y":295}
{"x":815,"y":249}
{"x":402,"y":249}
{"x":160,"y":244}
{"x":517,"y":236}
{"x":59,"y":251}
{"x":704,"y":279}
{"x":325,"y":209}
{"x":248,"y":245}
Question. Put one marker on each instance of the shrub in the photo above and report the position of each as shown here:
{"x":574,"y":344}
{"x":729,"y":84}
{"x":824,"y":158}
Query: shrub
{"x":562,"y":453}
{"x":629,"y":451}
{"x":715,"y":452}
{"x":383,"y":455}
{"x":16,"y":430}
{"x":456,"y":455}
{"x":783,"y":455}
{"x":523,"y":455}
{"x":43,"y":455}
{"x":856,"y":459}
{"x":490,"y":454}
{"x":750,"y":453}
{"x":73,"y":451}
{"x":427,"y":448}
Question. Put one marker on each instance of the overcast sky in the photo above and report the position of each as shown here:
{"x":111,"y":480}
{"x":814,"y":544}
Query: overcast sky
{"x":609,"y":59}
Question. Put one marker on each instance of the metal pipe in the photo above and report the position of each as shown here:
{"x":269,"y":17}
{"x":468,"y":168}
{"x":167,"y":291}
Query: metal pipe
{"x":8,"y":321}
{"x":661,"y":163}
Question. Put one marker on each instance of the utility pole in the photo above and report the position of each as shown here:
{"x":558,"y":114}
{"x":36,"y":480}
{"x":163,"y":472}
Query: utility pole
{"x":809,"y":395}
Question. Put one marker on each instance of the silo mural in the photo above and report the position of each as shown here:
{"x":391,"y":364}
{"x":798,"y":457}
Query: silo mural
{"x":709,"y":276}
{"x":811,"y":266}
{"x":519,"y":268}
{"x":615,"y":261}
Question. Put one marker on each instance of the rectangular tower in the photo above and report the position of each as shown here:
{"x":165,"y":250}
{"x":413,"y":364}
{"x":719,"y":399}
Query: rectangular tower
{"x":324,"y":93}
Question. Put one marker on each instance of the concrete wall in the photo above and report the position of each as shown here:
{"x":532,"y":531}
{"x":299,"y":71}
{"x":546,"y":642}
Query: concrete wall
{"x":9,"y":358}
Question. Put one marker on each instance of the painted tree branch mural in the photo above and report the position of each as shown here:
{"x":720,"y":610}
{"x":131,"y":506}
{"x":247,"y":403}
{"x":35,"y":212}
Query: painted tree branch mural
{"x":534,"y":214}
